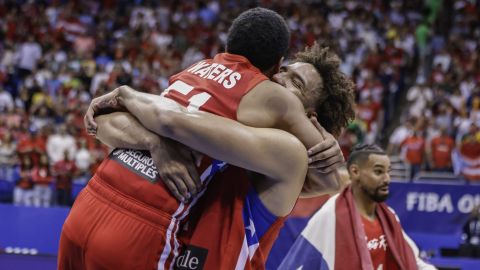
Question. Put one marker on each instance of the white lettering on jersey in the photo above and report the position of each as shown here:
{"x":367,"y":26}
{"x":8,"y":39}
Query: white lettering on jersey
{"x":195,"y":102}
{"x":377,"y":243}
{"x":216,"y":72}
{"x":198,"y":66}
{"x":223,"y":75}
{"x":232,"y":80}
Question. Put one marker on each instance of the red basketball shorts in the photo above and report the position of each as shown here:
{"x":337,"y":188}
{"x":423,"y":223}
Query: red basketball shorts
{"x":107,"y":230}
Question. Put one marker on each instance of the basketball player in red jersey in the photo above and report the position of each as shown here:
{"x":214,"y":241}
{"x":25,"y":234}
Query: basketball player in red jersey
{"x":213,"y":236}
{"x":127,"y":214}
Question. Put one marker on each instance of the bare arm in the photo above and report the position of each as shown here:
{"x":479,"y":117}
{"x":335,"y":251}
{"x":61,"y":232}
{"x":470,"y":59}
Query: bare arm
{"x":216,"y":136}
{"x":173,"y":160}
{"x":122,"y":130}
{"x":271,"y":105}
{"x":272,"y":152}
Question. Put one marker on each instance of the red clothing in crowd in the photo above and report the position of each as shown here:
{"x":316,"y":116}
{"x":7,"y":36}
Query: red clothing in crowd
{"x":33,"y":147}
{"x":368,"y":112}
{"x":41,"y":175}
{"x":470,"y":152}
{"x":470,"y":147}
{"x":414,"y":147}
{"x":442,"y":148}
{"x":64,"y":170}
{"x":25,"y":181}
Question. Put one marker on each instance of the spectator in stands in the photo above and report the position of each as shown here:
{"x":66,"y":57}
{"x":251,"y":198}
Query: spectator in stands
{"x":350,"y":137}
{"x":400,"y":134}
{"x":422,"y":34}
{"x":23,"y":191}
{"x":370,"y":112}
{"x":413,"y":150}
{"x":420,"y":96}
{"x":83,"y":160}
{"x":475,"y":110}
{"x":469,"y":153}
{"x":40,"y":117}
{"x":42,"y":178}
{"x":470,"y":246}
{"x":457,"y":100}
{"x":467,"y":86}
{"x":439,"y":152}
{"x":6,"y":100}
{"x":8,"y":158}
{"x":444,"y":117}
{"x":64,"y":171}
{"x":29,"y":53}
{"x":442,"y":59}
{"x":60,"y":142}
{"x":32,"y":145}
{"x":461,"y":123}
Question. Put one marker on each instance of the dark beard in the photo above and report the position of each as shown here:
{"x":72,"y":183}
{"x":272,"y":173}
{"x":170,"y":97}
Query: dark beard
{"x":376,"y":196}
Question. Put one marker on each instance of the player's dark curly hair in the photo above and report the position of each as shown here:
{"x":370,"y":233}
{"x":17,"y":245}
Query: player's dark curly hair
{"x":261,"y":35}
{"x":335,"y":106}
{"x":361,"y":152}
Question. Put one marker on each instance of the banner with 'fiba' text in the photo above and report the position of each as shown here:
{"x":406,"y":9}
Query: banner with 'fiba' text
{"x":433,"y":208}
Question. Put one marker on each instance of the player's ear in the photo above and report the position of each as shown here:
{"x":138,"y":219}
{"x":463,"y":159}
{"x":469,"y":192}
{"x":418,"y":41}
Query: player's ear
{"x":311,"y":112}
{"x":353,"y":171}
{"x":276,"y":69}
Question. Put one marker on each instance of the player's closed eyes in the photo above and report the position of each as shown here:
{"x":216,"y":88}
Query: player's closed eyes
{"x":297,"y":83}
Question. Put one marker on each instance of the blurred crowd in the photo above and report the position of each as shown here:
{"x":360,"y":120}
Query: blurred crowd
{"x":439,"y":129}
{"x":55,"y":56}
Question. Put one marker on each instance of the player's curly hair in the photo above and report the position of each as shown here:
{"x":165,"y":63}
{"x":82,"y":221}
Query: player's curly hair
{"x":335,"y":106}
{"x":260,"y":35}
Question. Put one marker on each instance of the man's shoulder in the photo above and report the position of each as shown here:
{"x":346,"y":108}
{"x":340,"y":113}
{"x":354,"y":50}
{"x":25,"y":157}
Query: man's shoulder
{"x":268,"y":87}
{"x":268,"y":100}
{"x":274,"y":92}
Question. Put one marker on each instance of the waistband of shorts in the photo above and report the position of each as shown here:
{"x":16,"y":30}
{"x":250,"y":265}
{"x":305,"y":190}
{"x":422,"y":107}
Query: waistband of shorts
{"x":114,"y":197}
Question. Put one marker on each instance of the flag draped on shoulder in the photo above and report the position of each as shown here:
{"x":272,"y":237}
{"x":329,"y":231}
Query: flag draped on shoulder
{"x":335,"y":239}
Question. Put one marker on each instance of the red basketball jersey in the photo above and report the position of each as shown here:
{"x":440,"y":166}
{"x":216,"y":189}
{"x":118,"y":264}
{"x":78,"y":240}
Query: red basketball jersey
{"x":229,"y":227}
{"x":214,"y":85}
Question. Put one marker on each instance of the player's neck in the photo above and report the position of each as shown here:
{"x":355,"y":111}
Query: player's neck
{"x":270,"y":72}
{"x":365,"y":206}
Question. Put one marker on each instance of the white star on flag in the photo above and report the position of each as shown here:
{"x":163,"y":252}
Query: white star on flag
{"x":251,"y":228}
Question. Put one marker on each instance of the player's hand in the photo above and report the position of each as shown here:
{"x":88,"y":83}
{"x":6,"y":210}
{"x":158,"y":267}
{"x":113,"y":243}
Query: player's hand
{"x":176,"y":168}
{"x":105,"y":102}
{"x":326,"y":156}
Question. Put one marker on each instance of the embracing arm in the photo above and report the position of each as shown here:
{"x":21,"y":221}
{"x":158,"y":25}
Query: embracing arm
{"x":173,"y":161}
{"x":122,"y":130}
{"x":271,"y":152}
{"x":271,"y":105}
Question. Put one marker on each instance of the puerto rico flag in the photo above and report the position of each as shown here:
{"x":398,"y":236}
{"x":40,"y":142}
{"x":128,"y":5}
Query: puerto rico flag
{"x":465,"y":164}
{"x":334,"y":238}
{"x":261,"y":230}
